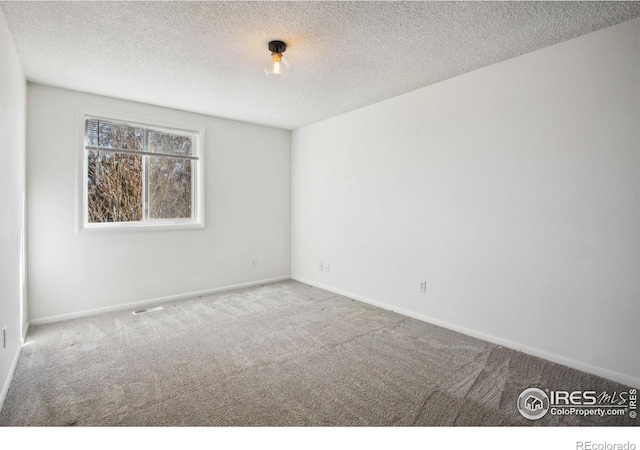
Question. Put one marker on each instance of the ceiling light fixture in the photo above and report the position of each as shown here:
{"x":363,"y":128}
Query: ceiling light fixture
{"x":278,"y":66}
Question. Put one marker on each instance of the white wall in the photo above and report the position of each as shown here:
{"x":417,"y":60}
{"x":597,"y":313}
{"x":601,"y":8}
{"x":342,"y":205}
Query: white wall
{"x":13,"y":100}
{"x":247,"y":178}
{"x":514,"y":191}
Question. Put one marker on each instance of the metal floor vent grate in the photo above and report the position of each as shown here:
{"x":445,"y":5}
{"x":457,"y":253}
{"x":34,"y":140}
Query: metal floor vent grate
{"x":153,"y":308}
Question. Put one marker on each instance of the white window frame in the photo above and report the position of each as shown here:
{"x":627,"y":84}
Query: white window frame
{"x":197,"y":205}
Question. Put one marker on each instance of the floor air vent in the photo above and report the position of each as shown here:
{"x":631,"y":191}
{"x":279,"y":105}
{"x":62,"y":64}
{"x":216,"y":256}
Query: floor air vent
{"x":142,"y":311}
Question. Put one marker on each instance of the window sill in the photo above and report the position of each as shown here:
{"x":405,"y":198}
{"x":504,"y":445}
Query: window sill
{"x":135,"y":227}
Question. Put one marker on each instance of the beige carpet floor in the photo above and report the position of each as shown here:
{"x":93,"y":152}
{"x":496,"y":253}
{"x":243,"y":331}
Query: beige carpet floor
{"x":284,"y":354}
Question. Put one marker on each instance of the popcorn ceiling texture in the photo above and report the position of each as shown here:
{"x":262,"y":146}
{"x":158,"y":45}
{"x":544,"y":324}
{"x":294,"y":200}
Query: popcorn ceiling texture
{"x":207,"y":57}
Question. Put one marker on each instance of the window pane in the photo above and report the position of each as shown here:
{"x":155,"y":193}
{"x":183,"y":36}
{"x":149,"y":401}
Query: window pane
{"x":115,"y":187}
{"x":91,"y":132}
{"x":170,"y":144}
{"x":156,"y":184}
{"x":169,"y":188}
{"x":113,"y":135}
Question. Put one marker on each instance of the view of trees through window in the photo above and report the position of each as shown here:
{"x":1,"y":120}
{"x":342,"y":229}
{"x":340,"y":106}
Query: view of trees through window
{"x":138,"y":174}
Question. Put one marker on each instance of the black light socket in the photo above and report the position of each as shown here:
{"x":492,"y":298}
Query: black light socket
{"x":277,"y":47}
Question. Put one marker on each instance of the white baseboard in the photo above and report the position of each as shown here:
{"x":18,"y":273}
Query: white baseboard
{"x":153,"y":301}
{"x":559,"y":359}
{"x":7,"y":382}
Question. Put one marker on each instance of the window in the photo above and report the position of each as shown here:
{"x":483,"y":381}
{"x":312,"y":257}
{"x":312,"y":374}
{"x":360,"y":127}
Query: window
{"x":138,"y":175}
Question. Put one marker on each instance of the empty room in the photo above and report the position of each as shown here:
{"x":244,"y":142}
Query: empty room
{"x":319,"y":214}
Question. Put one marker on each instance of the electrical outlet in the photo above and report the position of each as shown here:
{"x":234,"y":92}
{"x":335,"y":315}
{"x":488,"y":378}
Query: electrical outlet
{"x":254,"y":262}
{"x":423,"y":286}
{"x":320,"y":266}
{"x":326,"y":267}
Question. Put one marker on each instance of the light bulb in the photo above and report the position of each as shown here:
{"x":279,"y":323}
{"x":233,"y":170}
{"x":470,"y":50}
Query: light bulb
{"x":278,"y":66}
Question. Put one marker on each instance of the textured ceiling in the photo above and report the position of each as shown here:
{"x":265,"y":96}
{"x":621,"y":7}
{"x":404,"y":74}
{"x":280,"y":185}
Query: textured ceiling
{"x":207,"y":57}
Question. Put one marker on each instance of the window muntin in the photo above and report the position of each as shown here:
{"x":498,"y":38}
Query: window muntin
{"x":138,"y":174}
